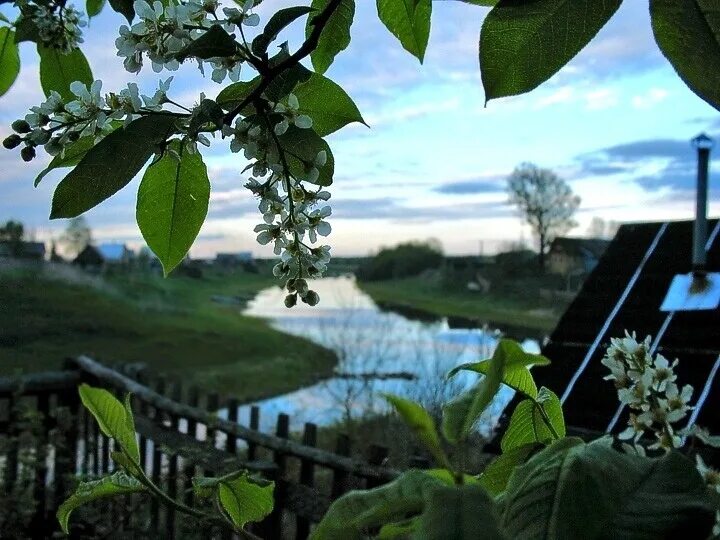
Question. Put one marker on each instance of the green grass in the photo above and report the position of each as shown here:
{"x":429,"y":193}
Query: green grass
{"x":521,"y":308}
{"x":169,"y":324}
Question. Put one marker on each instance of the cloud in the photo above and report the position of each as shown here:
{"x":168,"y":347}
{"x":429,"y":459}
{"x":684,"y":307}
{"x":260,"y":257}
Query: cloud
{"x":490,"y":184}
{"x":652,"y":97}
{"x":603,"y":98}
{"x":654,"y":164}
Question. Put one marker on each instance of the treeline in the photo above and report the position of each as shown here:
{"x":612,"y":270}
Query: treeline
{"x":404,"y":260}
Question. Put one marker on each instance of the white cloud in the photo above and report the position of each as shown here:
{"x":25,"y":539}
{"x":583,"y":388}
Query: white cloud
{"x":563,"y":94}
{"x":603,"y":98}
{"x":651,"y":98}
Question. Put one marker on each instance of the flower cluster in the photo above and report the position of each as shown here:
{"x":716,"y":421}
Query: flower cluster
{"x":291,"y":211}
{"x":55,"y":124}
{"x":58,"y":26}
{"x":163,"y":31}
{"x":647,"y":386}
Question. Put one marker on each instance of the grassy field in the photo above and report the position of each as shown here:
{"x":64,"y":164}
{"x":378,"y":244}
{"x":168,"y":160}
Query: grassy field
{"x":170,"y":324}
{"x":522,"y":310}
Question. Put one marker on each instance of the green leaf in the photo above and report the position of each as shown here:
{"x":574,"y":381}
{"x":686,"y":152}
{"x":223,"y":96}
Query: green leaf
{"x":327,"y":104}
{"x":72,"y":155}
{"x":114,"y":418}
{"x":172,"y":204}
{"x":94,"y":7}
{"x":110,"y":165}
{"x":231,"y":96}
{"x":527,"y":425}
{"x":214,"y":42}
{"x":461,"y":414}
{"x":58,"y":71}
{"x":124,"y":7}
{"x":422,"y":425}
{"x":117,"y":483}
{"x":335,"y":37}
{"x":402,"y":529}
{"x":409,"y":21}
{"x":523,"y":44}
{"x":208,"y":112}
{"x":517,"y":375}
{"x":574,"y":490}
{"x":275,"y":25}
{"x":302,"y":147}
{"x":688,"y":33}
{"x":246,"y":499}
{"x":352,"y":515}
{"x":459,"y":512}
{"x":496,"y":475}
{"x":9,"y":59}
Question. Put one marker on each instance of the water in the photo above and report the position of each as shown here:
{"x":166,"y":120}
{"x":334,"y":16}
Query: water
{"x":377,"y":351}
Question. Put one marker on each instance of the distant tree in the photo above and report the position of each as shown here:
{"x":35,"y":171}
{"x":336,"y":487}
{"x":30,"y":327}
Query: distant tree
{"x":599,"y":228}
{"x":404,"y":260}
{"x":12,"y":233}
{"x":76,"y":237}
{"x":545,"y":201}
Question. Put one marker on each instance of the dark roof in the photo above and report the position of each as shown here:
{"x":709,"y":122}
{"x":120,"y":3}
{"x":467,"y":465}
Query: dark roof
{"x":89,"y":256}
{"x":579,"y":247}
{"x":693,"y":337}
{"x":35,"y":250}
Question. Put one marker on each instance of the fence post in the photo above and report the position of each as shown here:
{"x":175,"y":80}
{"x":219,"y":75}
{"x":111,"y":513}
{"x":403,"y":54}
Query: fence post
{"x":231,"y":444}
{"x":341,"y":478}
{"x":160,"y":385}
{"x":307,"y":477}
{"x":376,"y":456}
{"x":172,"y":476}
{"x":255,"y":425}
{"x":276,"y":517}
{"x":189,"y":469}
{"x":213,"y":404}
{"x":37,"y":525}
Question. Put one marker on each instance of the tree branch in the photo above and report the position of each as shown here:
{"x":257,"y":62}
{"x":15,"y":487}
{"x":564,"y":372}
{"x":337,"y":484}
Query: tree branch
{"x":319,"y":22}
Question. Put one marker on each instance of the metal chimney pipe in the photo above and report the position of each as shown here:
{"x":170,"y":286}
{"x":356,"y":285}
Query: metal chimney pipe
{"x":703,"y":144}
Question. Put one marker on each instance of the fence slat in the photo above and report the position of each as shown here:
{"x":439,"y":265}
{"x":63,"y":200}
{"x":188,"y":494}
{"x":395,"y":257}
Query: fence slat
{"x":255,"y":426}
{"x":307,"y":478}
{"x":231,"y":444}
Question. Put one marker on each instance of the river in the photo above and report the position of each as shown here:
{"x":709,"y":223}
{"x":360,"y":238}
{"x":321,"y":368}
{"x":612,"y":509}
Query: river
{"x":377,"y":352}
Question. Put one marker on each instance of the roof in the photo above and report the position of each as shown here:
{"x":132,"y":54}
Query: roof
{"x":25,"y":249}
{"x":580,"y":247}
{"x":112,"y":252}
{"x":632,"y":278}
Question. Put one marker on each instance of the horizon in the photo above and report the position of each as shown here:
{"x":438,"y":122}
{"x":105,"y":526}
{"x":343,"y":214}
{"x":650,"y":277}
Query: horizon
{"x":434,"y":163}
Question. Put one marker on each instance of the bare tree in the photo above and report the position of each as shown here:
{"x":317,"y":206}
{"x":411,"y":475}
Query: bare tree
{"x":76,"y":237}
{"x":545,"y":201}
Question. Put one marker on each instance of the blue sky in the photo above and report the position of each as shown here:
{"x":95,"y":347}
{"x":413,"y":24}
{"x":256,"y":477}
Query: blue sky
{"x":615,"y":123}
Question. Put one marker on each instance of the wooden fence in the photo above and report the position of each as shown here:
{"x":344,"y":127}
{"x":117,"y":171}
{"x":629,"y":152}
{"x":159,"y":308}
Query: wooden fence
{"x":180,"y":435}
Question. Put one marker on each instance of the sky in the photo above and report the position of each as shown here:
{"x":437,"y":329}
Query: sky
{"x":615,"y":123}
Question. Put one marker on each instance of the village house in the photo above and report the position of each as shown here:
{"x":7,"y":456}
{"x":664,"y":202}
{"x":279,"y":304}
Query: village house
{"x":28,"y":251}
{"x":575,"y":256}
{"x":103,"y":256}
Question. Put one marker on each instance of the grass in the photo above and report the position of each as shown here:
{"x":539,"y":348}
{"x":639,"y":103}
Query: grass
{"x":522,"y":308}
{"x":171,"y":324}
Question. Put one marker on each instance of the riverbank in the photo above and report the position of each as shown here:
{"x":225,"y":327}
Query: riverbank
{"x":519,"y":316}
{"x":188,"y":328}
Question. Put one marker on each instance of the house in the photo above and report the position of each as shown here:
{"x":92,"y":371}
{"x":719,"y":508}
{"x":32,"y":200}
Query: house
{"x":31,"y":251}
{"x":575,"y":256}
{"x":103,"y":256}
{"x":626,"y":291}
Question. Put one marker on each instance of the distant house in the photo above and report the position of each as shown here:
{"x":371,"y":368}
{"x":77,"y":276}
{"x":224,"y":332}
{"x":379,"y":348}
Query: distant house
{"x":575,"y":256}
{"x":32,"y":251}
{"x":104,"y":255}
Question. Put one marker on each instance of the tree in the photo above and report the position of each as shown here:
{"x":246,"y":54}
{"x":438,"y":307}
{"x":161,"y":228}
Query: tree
{"x":12,"y":233}
{"x":599,"y":228}
{"x":76,"y":237}
{"x":546,"y":202}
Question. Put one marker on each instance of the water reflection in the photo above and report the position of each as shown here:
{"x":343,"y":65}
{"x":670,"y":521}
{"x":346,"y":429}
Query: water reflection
{"x":377,"y":352}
